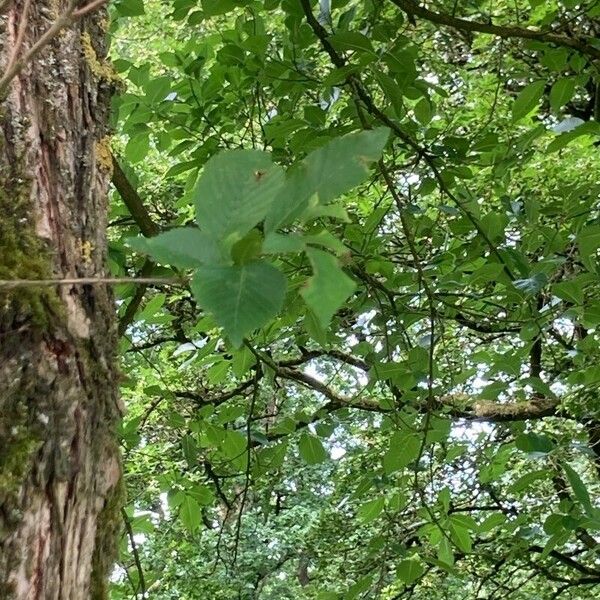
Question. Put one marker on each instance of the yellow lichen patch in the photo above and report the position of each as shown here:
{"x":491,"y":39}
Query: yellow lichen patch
{"x":104,"y":155}
{"x":104,"y":24}
{"x":86,"y":251}
{"x":100,"y":68}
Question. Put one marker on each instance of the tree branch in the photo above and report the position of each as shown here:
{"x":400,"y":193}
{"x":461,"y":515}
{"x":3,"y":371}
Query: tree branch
{"x":581,"y":44}
{"x":133,"y":202}
{"x":147,"y":226}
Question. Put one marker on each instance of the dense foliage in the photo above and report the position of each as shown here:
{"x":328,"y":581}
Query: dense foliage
{"x":364,"y":363}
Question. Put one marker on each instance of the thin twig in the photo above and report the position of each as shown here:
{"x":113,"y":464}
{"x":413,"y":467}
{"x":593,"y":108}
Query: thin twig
{"x":136,"y":555}
{"x":67,"y":18}
{"x":238,"y":531}
{"x":20,"y":283}
{"x":86,"y":10}
{"x":20,"y":35}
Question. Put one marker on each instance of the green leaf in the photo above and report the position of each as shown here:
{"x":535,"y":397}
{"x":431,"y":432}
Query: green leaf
{"x":460,"y":536}
{"x":344,"y":162}
{"x":445,"y":552}
{"x":362,"y":585}
{"x":241,"y":298}
{"x":248,"y":248}
{"x":142,"y":524}
{"x":579,"y":488}
{"x":279,"y":243}
{"x":328,"y":172}
{"x":243,"y":359}
{"x":526,"y":480}
{"x":152,"y":307}
{"x":190,"y":449}
{"x":409,"y":571}
{"x":311,"y":449}
{"x":534,"y":443}
{"x":235,"y":191}
{"x":464,"y":521}
{"x":589,"y":128}
{"x":314,"y":329}
{"x":527,"y":99}
{"x":561,"y":92}
{"x":404,"y":448}
{"x":212,"y":8}
{"x":571,"y":291}
{"x":203,"y":494}
{"x":183,"y":247}
{"x":588,"y":240}
{"x":130,"y":8}
{"x":370,"y":510}
{"x":558,"y":539}
{"x":491,"y":522}
{"x":189,"y":513}
{"x":423,"y":111}
{"x":137,"y":147}
{"x":392,"y":91}
{"x":351,"y":40}
{"x":328,"y":288}
{"x":234,"y":445}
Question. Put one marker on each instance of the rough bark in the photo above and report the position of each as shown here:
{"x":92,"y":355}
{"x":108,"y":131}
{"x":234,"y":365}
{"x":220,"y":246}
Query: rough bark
{"x":59,"y":461}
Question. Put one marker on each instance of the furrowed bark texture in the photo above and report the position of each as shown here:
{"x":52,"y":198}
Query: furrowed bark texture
{"x":59,"y":461}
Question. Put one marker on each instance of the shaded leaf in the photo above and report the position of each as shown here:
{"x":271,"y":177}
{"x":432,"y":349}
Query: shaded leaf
{"x":527,"y":99}
{"x":328,"y":288}
{"x":183,"y":247}
{"x":311,"y":449}
{"x":241,"y":298}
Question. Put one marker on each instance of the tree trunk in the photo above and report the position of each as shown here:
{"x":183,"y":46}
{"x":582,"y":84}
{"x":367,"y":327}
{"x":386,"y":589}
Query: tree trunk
{"x":59,"y":460}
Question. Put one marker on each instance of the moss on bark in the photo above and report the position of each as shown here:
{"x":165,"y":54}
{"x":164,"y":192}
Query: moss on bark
{"x":23,"y":255}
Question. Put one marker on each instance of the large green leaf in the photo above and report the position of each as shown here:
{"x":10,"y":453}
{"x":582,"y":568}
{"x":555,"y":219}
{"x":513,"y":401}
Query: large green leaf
{"x":527,"y":99}
{"x":579,"y":489}
{"x":562,"y":91}
{"x":311,"y":449}
{"x":351,"y":40}
{"x":235,"y":191}
{"x":404,"y":448}
{"x":327,"y":173}
{"x":189,"y":513}
{"x":183,"y":247}
{"x":241,"y":298}
{"x":370,"y":510}
{"x":409,"y":571}
{"x":343,"y":163}
{"x":328,"y":288}
{"x":534,"y":443}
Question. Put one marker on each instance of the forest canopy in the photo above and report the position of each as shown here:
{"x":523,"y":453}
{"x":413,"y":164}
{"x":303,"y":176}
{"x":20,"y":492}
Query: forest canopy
{"x":354,"y":247}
